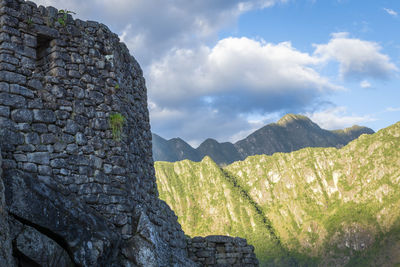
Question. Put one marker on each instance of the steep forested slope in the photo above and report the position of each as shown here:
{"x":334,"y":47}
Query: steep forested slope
{"x":320,"y":206}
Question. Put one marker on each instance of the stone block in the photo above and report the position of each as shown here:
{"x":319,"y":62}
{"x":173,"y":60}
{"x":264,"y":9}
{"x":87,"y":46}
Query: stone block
{"x":4,"y":111}
{"x":15,"y":101}
{"x":219,"y":239}
{"x":45,"y":116}
{"x":21,"y":90}
{"x":32,"y":138}
{"x":203,"y":254}
{"x":30,"y":167}
{"x":22,"y":115}
{"x":42,"y":158}
{"x":35,"y":84}
{"x":12,"y":77}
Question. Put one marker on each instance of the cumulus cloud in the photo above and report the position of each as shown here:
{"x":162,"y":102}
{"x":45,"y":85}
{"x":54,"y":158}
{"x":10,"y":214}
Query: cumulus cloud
{"x":237,"y":65}
{"x":357,"y":58}
{"x":235,"y":78}
{"x":337,"y":118}
{"x":390,"y":12}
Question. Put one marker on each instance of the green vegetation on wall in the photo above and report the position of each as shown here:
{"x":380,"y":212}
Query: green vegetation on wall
{"x":116,"y":123}
{"x":64,"y":16}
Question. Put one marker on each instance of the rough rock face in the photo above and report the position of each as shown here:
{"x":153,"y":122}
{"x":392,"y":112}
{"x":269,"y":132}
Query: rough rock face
{"x":79,"y":187}
{"x":5,"y":240}
{"x":292,"y":132}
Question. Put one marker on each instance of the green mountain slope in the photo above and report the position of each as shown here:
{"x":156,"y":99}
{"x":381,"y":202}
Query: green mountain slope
{"x":207,"y":203}
{"x":324,"y":206}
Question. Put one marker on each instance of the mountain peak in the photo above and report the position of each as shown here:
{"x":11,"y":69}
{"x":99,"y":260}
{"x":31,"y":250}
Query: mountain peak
{"x":209,"y":141}
{"x":355,"y":128}
{"x":288,"y":118}
{"x":177,"y":140}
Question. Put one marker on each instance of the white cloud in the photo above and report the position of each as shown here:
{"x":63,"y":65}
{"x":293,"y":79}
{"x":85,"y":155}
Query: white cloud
{"x":390,"y":12}
{"x":236,"y":65}
{"x":152,"y":28}
{"x":365,"y":84}
{"x":357,"y":58}
{"x":337,"y":118}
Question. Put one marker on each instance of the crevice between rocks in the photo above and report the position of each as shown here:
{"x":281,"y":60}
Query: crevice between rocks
{"x":53,"y":236}
{"x":23,"y":260}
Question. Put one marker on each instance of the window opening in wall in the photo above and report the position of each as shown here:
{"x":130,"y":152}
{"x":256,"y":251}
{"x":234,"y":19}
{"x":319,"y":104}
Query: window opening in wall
{"x":42,"y":52}
{"x":220,"y":247}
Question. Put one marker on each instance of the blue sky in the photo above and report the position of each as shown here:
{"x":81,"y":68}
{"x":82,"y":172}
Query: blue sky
{"x":224,"y":68}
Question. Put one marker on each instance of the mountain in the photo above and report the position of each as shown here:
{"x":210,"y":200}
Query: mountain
{"x":311,"y":207}
{"x":292,"y":132}
{"x":222,"y":153}
{"x":173,"y":150}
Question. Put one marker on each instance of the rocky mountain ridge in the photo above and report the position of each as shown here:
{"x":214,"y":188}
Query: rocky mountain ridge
{"x":292,"y":132}
{"x":311,"y":207}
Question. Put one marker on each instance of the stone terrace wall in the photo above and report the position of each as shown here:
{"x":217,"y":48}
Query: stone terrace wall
{"x":222,"y":251}
{"x":60,"y":81}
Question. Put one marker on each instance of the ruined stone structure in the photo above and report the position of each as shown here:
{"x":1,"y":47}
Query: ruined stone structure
{"x":222,"y":251}
{"x":77,"y":184}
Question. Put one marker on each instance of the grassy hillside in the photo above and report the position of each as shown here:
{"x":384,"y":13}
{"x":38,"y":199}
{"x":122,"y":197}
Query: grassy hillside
{"x":320,"y":206}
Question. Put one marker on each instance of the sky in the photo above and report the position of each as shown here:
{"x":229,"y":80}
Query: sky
{"x":223,"y":68}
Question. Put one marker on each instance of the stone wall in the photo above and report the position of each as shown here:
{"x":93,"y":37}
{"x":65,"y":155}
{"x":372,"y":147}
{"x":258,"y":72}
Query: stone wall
{"x":61,"y":81}
{"x":78,"y":190}
{"x":222,"y":251}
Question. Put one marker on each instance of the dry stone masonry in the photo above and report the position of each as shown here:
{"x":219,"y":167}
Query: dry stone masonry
{"x":220,"y":251}
{"x":78,"y":187}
